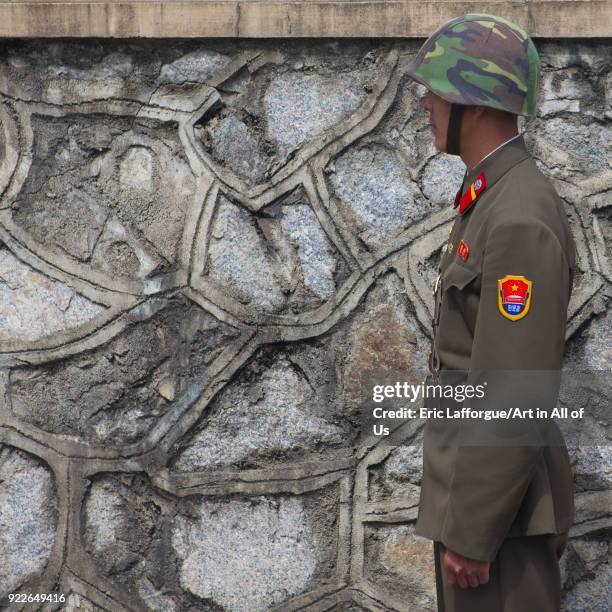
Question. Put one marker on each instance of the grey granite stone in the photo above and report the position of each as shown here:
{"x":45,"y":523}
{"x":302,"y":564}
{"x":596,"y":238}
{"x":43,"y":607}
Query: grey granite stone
{"x":300,"y":106}
{"x":592,"y":594}
{"x":317,"y":256}
{"x":196,"y":66}
{"x":405,"y":464}
{"x":283,"y":100}
{"x":28,"y":517}
{"x":593,"y":350}
{"x":375,"y":193}
{"x":236,"y":145}
{"x":441,"y":178}
{"x":280,"y":545}
{"x":385,"y":343}
{"x":33,"y":306}
{"x":399,"y":475}
{"x":587,"y":385}
{"x":238,"y":258}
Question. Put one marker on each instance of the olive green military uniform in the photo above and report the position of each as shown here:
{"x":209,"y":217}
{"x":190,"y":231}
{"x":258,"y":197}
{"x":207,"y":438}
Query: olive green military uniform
{"x":501,"y":304}
{"x":499,"y":490}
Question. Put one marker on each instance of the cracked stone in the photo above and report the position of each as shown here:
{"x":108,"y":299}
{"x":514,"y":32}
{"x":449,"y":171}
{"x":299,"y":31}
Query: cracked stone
{"x":171,"y":553}
{"x":252,"y":420}
{"x":93,"y":189}
{"x":267,"y":111}
{"x":127,"y":531}
{"x":565,"y":147}
{"x":238,"y":258}
{"x":110,"y":395}
{"x":186,"y":97}
{"x":118,"y":526}
{"x":111,"y":191}
{"x":278,"y":260}
{"x":74,"y":71}
{"x":564,"y":90}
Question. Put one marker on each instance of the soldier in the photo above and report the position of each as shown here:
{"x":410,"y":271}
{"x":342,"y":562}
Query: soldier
{"x":499,"y":515}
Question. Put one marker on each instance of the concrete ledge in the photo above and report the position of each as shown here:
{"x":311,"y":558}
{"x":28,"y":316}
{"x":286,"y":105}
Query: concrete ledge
{"x":301,"y":18}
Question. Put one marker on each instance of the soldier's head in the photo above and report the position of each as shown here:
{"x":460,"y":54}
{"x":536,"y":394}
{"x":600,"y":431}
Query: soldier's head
{"x":481,"y":72}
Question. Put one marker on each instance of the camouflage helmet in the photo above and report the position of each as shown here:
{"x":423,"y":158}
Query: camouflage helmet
{"x":480,"y":60}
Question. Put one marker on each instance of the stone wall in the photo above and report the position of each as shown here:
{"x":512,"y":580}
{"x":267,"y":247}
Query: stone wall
{"x":204,"y":249}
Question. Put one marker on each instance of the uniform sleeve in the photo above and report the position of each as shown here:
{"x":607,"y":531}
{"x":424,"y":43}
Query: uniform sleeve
{"x":520,"y":360}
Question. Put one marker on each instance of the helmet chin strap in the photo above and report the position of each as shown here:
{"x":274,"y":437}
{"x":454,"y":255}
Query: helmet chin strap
{"x":454,"y":129}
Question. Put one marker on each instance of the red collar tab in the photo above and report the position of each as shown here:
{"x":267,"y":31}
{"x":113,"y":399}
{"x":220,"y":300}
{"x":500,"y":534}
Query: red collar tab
{"x":472,"y":193}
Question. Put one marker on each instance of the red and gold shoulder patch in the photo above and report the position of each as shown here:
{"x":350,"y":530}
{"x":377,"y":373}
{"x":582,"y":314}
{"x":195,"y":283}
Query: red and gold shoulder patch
{"x":514,"y":296}
{"x":463,"y":250}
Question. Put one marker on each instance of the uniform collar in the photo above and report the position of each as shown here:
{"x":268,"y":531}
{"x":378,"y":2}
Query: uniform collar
{"x":499,"y":147}
{"x":489,"y":170}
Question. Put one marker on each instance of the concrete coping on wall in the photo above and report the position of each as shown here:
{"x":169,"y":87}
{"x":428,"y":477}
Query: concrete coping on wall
{"x":289,"y":19}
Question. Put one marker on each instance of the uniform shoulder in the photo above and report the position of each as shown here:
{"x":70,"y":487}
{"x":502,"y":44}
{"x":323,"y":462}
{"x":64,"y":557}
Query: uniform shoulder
{"x":526,"y":195}
{"x":533,"y":194}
